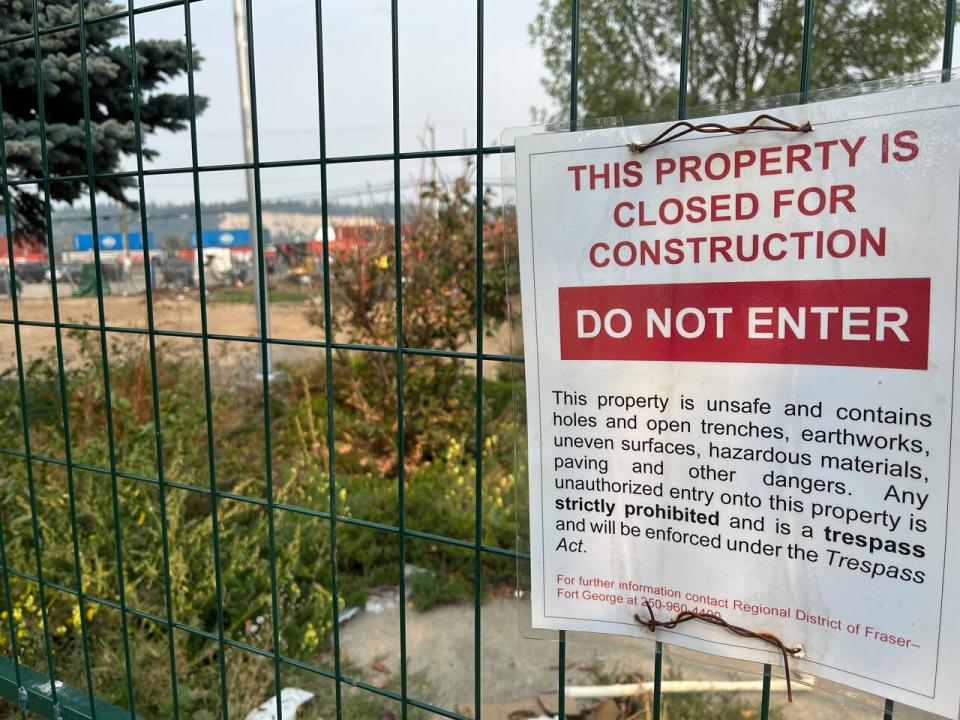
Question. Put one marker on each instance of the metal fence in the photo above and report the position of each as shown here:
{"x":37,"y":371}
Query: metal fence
{"x":36,"y":690}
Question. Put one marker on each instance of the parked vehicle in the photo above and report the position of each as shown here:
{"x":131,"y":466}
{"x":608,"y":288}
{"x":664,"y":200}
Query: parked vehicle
{"x":179,"y":273}
{"x":31,"y":272}
{"x":47,"y":275}
{"x":6,"y":282}
{"x":70,"y":272}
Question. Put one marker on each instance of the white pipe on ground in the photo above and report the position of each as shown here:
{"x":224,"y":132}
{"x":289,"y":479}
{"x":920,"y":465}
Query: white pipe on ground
{"x":677,"y":686}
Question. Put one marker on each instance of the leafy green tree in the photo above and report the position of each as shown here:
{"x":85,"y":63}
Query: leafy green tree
{"x":739,"y":49}
{"x":111,"y":99}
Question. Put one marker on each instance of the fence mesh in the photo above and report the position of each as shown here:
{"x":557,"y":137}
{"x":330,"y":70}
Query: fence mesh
{"x":37,"y":689}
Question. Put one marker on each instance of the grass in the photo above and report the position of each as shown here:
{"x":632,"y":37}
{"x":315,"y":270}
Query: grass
{"x":259,"y":687}
{"x":246,"y":295}
{"x":440,"y":470}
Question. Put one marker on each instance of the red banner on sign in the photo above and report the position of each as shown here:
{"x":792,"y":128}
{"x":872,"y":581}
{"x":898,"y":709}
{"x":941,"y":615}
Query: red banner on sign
{"x":881,"y":323}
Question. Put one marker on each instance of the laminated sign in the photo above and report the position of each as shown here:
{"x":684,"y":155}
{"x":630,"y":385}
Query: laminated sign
{"x":741,"y":386}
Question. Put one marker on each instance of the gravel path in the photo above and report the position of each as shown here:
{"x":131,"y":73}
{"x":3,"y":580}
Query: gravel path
{"x":516,"y":670}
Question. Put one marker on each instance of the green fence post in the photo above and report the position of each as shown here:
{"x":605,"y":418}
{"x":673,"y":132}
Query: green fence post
{"x":765,"y":695}
{"x":328,"y":364}
{"x":398,"y":284}
{"x":205,"y":351}
{"x":808,"y":19}
{"x":888,"y":709}
{"x":105,"y":358}
{"x":152,"y":348}
{"x":61,"y":377}
{"x":478,"y":437}
{"x":657,"y":680}
{"x":265,"y":364}
{"x":8,"y":599}
{"x":684,"y":59}
{"x":949,"y":26}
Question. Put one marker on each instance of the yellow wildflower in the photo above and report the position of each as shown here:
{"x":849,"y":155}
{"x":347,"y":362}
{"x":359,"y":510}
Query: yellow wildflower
{"x":311,"y":638}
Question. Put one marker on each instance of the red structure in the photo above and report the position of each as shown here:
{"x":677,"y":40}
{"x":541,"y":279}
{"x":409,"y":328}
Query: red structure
{"x":24,"y":250}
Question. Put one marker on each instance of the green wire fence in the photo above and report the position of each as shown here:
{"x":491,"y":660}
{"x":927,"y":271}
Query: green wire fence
{"x":37,"y":690}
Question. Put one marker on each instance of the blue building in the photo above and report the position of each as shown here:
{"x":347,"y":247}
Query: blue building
{"x":223,"y":238}
{"x":111,"y":241}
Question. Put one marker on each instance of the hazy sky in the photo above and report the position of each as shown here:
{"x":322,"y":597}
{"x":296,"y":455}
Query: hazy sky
{"x":437,"y":41}
{"x":437,"y":84}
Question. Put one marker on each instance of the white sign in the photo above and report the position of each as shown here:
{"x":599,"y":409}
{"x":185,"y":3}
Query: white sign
{"x":741,"y":387}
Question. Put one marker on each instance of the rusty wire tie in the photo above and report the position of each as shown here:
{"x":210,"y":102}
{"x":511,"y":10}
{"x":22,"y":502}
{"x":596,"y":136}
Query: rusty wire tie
{"x":683,"y":128}
{"x":652,"y":624}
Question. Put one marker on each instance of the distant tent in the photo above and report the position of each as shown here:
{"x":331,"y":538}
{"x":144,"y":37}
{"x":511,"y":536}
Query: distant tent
{"x":87,"y":284}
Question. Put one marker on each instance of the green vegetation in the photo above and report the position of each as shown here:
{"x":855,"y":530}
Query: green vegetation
{"x":440,"y":499}
{"x":111,"y":103}
{"x":739,"y":49}
{"x":169,"y":531}
{"x":182,"y":534}
{"x":245,"y":295}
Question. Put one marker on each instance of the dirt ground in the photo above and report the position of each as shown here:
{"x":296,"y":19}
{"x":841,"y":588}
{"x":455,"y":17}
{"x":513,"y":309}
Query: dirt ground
{"x":171,"y":312}
{"x":178,"y":313}
{"x":520,"y":673}
{"x":517,"y":672}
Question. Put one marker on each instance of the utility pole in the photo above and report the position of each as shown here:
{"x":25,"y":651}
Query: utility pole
{"x":124,"y":242}
{"x":126,"y":278}
{"x":246,"y":116}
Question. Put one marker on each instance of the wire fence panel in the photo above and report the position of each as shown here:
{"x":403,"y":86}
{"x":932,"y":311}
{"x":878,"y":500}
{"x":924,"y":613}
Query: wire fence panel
{"x":201,"y":626}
